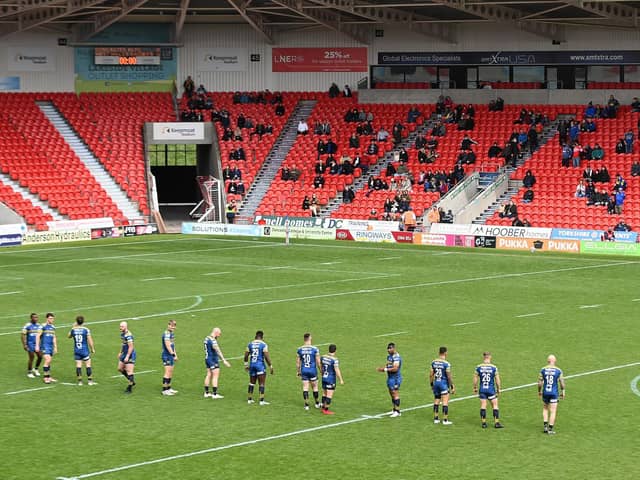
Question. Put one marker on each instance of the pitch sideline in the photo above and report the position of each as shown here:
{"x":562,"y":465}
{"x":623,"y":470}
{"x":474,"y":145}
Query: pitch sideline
{"x":361,"y":418}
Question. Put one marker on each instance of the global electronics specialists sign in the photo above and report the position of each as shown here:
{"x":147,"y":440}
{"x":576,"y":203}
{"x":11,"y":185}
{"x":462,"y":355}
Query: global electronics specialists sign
{"x":567,"y":57}
{"x":178,"y":131}
{"x":335,"y":59}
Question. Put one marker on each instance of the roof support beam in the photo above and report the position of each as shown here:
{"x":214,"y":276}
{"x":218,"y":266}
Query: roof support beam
{"x":105,"y":20}
{"x":180,"y":18}
{"x":252,"y":19}
{"x":326,"y":18}
{"x":35,"y":17}
{"x":16,"y":7}
{"x":393,"y":16}
{"x":506,"y":15}
{"x":617,"y":12}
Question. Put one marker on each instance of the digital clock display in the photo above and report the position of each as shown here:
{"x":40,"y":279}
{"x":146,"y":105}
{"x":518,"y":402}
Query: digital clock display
{"x":127,"y":55}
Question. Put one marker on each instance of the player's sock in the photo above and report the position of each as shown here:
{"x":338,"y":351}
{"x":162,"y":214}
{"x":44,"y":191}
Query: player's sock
{"x":38,"y":362}
{"x":483,"y":415}
{"x":206,"y":389}
{"x":436,"y":408}
{"x":214,"y":390}
{"x":89,"y":373}
{"x":125,"y":374}
{"x":324,"y":401}
{"x":546,"y":427}
{"x":305,"y":395}
{"x":396,"y":404}
{"x":315,"y":396}
{"x":550,"y":427}
{"x":46,"y":371}
{"x":445,"y":412}
{"x":496,"y":414}
{"x":261,"y":390}
{"x":131,"y":380}
{"x":165,"y":383}
{"x":79,"y":374}
{"x":328,"y":402}
{"x":250,"y":389}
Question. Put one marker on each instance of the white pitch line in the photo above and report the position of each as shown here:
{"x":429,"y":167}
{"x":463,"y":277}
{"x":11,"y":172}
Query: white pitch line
{"x":136,"y":373}
{"x":10,"y":293}
{"x":28,"y":390}
{"x":293,"y":433}
{"x":389,"y":258}
{"x":156,"y":279}
{"x":282,"y":267}
{"x":389,"y":334}
{"x":330,"y":263}
{"x":636,"y":300}
{"x":214,"y":273}
{"x":535,"y":314}
{"x":590,"y":306}
{"x":82,"y":286}
{"x":462,"y":324}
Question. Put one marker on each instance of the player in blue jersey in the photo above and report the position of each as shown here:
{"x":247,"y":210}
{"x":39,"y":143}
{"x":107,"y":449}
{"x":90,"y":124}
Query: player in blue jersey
{"x":550,"y":388}
{"x":442,"y":385}
{"x":82,"y":348}
{"x":307,"y":365}
{"x":256,"y":359}
{"x":48,"y":347}
{"x":31,"y":344}
{"x":486,"y":383}
{"x":212,"y":357}
{"x":169,"y":358}
{"x":394,"y":377}
{"x":127,"y":356}
{"x":330,"y":372}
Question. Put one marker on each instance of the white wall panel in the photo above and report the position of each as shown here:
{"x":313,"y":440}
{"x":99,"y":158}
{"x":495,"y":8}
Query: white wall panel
{"x":60,"y":80}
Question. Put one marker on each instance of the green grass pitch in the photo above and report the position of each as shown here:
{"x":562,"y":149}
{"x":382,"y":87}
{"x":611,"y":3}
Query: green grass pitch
{"x":521,"y":307}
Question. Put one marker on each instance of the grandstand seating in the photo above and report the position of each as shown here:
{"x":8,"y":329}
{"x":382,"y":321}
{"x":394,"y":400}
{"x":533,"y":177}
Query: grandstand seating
{"x":32,"y":214}
{"x":497,"y":85}
{"x":555,"y":203}
{"x":111,"y":125}
{"x":285,"y":197}
{"x":613,"y":85}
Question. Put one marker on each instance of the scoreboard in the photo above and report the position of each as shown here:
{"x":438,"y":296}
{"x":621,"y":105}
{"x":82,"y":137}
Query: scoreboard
{"x":127,"y":55}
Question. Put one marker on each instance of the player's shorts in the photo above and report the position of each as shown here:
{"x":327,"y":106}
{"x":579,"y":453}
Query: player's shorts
{"x":31,"y":347}
{"x":550,"y":398}
{"x":255,"y":370}
{"x":393,"y":383}
{"x":47,"y":350}
{"x":309,"y":376}
{"x":83,"y":356}
{"x":168,"y":360}
{"x":132,"y":358}
{"x":211,"y":365}
{"x":488,"y":395}
{"x":328,"y":386}
{"x":440,"y":389}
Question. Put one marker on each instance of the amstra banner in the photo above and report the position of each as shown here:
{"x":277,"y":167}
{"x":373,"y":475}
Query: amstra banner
{"x":336,"y":59}
{"x":568,"y":57}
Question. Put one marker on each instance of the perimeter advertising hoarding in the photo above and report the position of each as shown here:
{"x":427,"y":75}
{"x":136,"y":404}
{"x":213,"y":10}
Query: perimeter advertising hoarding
{"x":191,"y":228}
{"x":57,"y":236}
{"x":178,"y":131}
{"x":443,"y":240}
{"x":222,"y":59}
{"x":311,"y":233}
{"x":610,"y":248}
{"x":567,"y":57}
{"x":565,"y":246}
{"x":332,"y":59}
{"x":374,"y":236}
{"x":591,"y":235}
{"x":326,"y":223}
{"x":490,"y":230}
{"x":87,"y":223}
{"x":10,"y":240}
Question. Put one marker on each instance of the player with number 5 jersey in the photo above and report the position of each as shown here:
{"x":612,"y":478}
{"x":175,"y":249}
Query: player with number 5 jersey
{"x":82,"y":348}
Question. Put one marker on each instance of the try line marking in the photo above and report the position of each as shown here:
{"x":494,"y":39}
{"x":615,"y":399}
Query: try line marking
{"x":361,"y":418}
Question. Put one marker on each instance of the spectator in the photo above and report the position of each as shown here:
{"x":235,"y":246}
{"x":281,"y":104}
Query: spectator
{"x":420,"y":142}
{"x":608,"y":236}
{"x":439,"y":130}
{"x":403,"y":155}
{"x":372,"y":149}
{"x":622,"y":226}
{"x":635,"y":105}
{"x":240,"y":189}
{"x":496,"y":105}
{"x":528,"y":196}
{"x":303,"y":128}
{"x":373,"y":214}
{"x":509,"y":210}
{"x":597,"y":153}
{"x":581,"y":189}
{"x":447,"y":217}
{"x":318,"y":181}
{"x":494,"y":151}
{"x":189,"y":87}
{"x":433,"y":216}
{"x":590,"y":111}
{"x":620,"y":147}
{"x":382,"y":135}
{"x":346,"y":91}
{"x":620,"y":183}
{"x":529,"y":179}
{"x":230,"y":211}
{"x":413,"y":115}
{"x":314,"y":205}
{"x":201,"y":90}
{"x":635,"y":168}
{"x":348,"y":194}
{"x":354,"y":141}
{"x":467,"y":142}
{"x":306,"y":204}
{"x":629,"y":137}
{"x":279,"y":110}
{"x":237,"y":134}
{"x":619,"y":198}
{"x":517,"y":222}
{"x":334,"y":91}
{"x":285,"y":174}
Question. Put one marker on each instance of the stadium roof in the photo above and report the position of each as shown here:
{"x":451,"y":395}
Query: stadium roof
{"x":354,"y":18}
